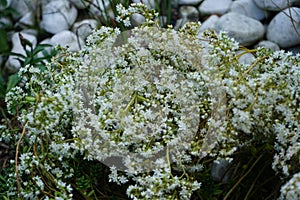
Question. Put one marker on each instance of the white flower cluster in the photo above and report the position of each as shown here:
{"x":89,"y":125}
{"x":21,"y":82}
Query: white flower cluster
{"x":263,"y":104}
{"x":291,"y":190}
{"x":43,"y":103}
{"x":138,"y":102}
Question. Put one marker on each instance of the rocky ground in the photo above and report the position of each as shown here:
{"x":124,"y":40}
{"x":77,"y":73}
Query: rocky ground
{"x":269,"y":23}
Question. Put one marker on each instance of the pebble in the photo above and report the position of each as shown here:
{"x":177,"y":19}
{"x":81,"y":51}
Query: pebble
{"x":12,"y":64}
{"x":245,"y":58}
{"x":67,"y":39}
{"x":275,"y":5}
{"x":268,"y":44}
{"x":244,"y":29}
{"x":209,"y":23}
{"x":190,"y":13}
{"x":240,"y":18}
{"x":26,"y":21}
{"x":58,"y":15}
{"x":85,"y":27}
{"x":22,"y":7}
{"x":5,"y":22}
{"x":248,"y":8}
{"x":284,"y":31}
{"x":220,"y":172}
{"x":137,"y":19}
{"x":209,"y":7}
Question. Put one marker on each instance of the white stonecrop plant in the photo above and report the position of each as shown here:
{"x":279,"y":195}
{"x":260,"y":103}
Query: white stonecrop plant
{"x":150,"y":103}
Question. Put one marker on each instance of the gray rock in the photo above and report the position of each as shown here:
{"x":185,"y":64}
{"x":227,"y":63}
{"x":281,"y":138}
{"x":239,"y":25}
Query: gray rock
{"x":209,"y":7}
{"x":275,"y":5}
{"x":268,"y":44}
{"x":31,"y":32}
{"x":248,"y":8}
{"x":85,"y":27}
{"x":244,"y":29}
{"x":220,"y":171}
{"x":47,"y":49}
{"x":26,"y":21}
{"x":23,"y":7}
{"x":137,"y":19}
{"x":189,"y":2}
{"x":5,"y":22}
{"x":12,"y":64}
{"x":209,"y":23}
{"x":189,"y":12}
{"x":58,"y":15}
{"x":245,"y":58}
{"x":67,"y":39}
{"x":81,"y":4}
{"x":284,"y":28}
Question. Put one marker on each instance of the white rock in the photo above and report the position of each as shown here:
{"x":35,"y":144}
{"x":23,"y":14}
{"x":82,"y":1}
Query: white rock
{"x":209,"y":23}
{"x":5,"y":22}
{"x":67,"y":39}
{"x":85,"y":27}
{"x":244,"y":29}
{"x":12,"y":64}
{"x":248,"y":8}
{"x":26,"y":21}
{"x":284,"y":28}
{"x":81,"y":4}
{"x":268,"y":44}
{"x":189,"y":12}
{"x":8,"y":2}
{"x":209,"y":7}
{"x":47,"y":49}
{"x":275,"y":5}
{"x":58,"y":15}
{"x":137,"y":19}
{"x":22,"y":7}
{"x":149,"y":3}
{"x":220,"y":171}
{"x":30,"y":32}
{"x":189,"y":2}
{"x":245,"y":58}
